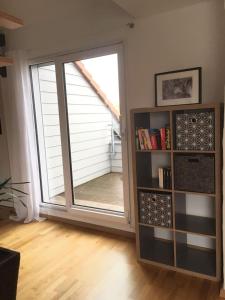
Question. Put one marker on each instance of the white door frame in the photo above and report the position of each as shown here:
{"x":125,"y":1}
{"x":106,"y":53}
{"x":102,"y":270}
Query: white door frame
{"x":106,"y":218}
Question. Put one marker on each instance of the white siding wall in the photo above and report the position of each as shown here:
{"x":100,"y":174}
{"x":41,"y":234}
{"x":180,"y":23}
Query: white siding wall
{"x":90,"y":131}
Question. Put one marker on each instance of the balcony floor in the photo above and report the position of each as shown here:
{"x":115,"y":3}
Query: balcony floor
{"x":105,"y":192}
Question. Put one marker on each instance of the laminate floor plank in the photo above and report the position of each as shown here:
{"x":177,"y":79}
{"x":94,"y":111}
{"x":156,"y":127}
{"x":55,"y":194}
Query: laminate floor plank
{"x":63,"y":262}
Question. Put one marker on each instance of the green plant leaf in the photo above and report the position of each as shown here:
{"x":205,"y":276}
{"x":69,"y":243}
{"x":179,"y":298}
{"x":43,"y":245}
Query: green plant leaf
{"x":4,"y":182}
{"x":12,"y":200}
{"x":14,"y":189}
{"x":25,"y":182}
{"x":7,"y":199}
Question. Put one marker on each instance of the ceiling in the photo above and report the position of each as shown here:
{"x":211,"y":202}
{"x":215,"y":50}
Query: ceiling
{"x":39,"y":11}
{"x":144,"y":8}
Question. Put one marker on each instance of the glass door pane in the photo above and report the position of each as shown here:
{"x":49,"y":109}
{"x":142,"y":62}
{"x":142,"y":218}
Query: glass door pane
{"x":93,"y":109}
{"x":48,"y":133}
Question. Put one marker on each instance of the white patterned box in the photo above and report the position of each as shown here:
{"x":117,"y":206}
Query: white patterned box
{"x":155,"y":209}
{"x":195,"y":131}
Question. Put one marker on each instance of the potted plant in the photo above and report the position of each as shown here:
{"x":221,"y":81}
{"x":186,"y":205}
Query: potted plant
{"x":10,"y":193}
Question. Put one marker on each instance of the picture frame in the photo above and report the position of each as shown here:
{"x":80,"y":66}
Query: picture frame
{"x":178,"y":87}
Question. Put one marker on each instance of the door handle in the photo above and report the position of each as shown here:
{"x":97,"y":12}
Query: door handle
{"x":122,"y":127}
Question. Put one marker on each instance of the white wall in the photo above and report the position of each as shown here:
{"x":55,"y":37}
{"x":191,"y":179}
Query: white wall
{"x":181,"y":39}
{"x":193,"y":36}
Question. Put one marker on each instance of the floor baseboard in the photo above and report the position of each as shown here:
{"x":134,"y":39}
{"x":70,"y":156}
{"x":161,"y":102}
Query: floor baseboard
{"x":91,"y":226}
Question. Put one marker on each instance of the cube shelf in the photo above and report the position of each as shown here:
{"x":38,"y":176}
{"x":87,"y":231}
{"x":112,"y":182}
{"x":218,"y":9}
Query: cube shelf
{"x":196,"y":260}
{"x":196,"y":224}
{"x":192,"y":244}
{"x":156,"y":249}
{"x":193,"y":257}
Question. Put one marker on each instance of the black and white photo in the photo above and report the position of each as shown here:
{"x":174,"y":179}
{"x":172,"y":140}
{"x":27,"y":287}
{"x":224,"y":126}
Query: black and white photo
{"x":178,"y":87}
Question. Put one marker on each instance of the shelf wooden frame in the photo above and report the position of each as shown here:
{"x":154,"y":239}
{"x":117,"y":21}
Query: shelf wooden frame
{"x":154,"y":151}
{"x":177,"y":151}
{"x":10,"y":22}
{"x":5,"y":61}
{"x":216,"y":197}
{"x":195,"y":224}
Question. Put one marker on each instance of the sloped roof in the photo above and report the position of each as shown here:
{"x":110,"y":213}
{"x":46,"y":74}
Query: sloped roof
{"x":80,"y":66}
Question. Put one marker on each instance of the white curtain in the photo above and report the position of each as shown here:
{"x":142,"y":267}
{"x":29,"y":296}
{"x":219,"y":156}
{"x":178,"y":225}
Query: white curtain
{"x":20,"y":126}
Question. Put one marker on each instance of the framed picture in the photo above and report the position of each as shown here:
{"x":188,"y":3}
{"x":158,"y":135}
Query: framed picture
{"x":178,"y":87}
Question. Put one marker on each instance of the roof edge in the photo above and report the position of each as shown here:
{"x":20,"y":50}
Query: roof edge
{"x":97,"y":89}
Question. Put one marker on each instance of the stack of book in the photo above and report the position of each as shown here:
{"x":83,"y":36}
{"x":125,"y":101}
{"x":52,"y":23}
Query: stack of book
{"x":153,"y":139}
{"x":165,"y":178}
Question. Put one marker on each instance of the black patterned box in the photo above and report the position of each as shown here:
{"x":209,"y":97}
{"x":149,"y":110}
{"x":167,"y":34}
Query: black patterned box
{"x":194,"y":173}
{"x":195,"y":131}
{"x":155,"y":209}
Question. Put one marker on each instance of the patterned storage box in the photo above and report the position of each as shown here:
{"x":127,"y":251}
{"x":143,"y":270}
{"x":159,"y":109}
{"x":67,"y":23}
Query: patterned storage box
{"x":194,"y":173}
{"x":155,"y":209}
{"x":195,"y":131}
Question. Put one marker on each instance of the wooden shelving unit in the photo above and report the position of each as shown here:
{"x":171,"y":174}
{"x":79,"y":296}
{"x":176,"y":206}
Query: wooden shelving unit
{"x":192,"y":244}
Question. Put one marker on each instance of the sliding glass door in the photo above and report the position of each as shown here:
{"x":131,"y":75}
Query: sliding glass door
{"x":48,"y":133}
{"x":82,"y":143}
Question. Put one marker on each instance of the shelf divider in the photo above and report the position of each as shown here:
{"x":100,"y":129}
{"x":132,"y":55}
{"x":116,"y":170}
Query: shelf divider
{"x":196,"y":224}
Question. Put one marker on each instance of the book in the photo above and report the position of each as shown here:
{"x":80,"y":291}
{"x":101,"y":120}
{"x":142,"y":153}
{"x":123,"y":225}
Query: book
{"x":143,"y":141}
{"x":161,"y":178}
{"x":137,"y":140}
{"x":140,"y":139}
{"x":170,"y":179}
{"x":153,"y":141}
{"x":164,"y":178}
{"x":146,"y":139}
{"x":155,"y":138}
{"x":146,"y":132}
{"x":158,"y":138}
{"x":168,"y":142}
{"x":163,"y":138}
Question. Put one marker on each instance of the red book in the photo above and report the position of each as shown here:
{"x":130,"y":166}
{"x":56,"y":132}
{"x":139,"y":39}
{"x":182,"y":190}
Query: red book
{"x":153,"y":142}
{"x":163,"y":138}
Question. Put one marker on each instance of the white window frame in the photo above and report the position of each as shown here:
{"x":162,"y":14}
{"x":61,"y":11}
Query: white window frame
{"x":86,"y":214}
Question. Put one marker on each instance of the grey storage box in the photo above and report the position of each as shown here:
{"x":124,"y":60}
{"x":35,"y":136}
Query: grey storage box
{"x":195,"y":131}
{"x":194,"y":173}
{"x":155,"y":209}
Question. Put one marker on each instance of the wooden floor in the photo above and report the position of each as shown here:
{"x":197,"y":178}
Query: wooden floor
{"x":105,"y":192}
{"x":60,"y":261}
